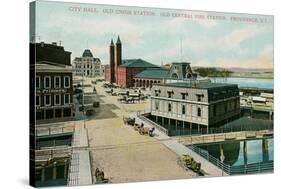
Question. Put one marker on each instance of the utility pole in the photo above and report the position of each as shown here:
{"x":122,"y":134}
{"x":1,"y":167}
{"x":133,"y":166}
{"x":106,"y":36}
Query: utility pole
{"x":181,"y":47}
{"x":84,"y":115}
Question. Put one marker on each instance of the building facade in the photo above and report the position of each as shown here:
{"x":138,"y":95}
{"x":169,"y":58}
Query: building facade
{"x":87,"y":65}
{"x":195,"y":105}
{"x":54,"y":92}
{"x":176,"y":72}
{"x":122,"y":71}
{"x":53,"y":84}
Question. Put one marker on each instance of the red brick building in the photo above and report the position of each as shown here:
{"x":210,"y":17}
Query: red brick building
{"x":122,"y":72}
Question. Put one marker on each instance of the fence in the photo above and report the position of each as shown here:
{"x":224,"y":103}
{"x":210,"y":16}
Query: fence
{"x":242,"y":124}
{"x":53,"y":130}
{"x":203,"y":131}
{"x":196,"y":139}
{"x":48,"y":154}
{"x":162,"y":129}
{"x":233,"y":170}
{"x":53,"y":143}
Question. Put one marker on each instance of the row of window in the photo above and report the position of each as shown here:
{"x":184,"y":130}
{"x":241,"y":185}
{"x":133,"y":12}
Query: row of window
{"x":56,"y":100}
{"x":80,"y":66}
{"x":183,"y":95}
{"x":57,"y":83}
{"x":183,"y":109}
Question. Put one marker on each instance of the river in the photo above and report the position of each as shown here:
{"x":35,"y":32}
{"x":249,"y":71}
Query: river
{"x":246,"y":82}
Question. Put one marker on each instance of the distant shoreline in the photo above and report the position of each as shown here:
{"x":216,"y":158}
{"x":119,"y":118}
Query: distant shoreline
{"x":253,"y":77}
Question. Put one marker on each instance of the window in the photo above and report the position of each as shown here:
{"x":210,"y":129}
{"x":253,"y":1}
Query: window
{"x":199,"y":112}
{"x":198,"y":98}
{"x":37,"y":82}
{"x":57,"y":99}
{"x":66,"y":82}
{"x":66,"y":98}
{"x":184,"y":95}
{"x":170,"y":94}
{"x":47,"y":100}
{"x":157,"y":92}
{"x":183,"y":109}
{"x":57,"y":81}
{"x":169,"y":107}
{"x":156,"y":105}
{"x":47,"y":82}
{"x":37,"y":100}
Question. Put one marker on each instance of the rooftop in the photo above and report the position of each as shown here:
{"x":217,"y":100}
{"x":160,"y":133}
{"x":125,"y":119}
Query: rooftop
{"x":46,"y":66}
{"x":80,"y":59}
{"x":204,"y":85}
{"x":157,"y":73}
{"x":87,"y":53}
{"x":137,"y":63}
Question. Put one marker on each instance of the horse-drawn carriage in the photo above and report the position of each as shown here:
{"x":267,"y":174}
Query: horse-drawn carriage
{"x":100,"y":176}
{"x":146,"y":131}
{"x":129,"y":121}
{"x":187,"y":162}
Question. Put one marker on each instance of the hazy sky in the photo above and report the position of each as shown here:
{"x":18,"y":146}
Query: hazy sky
{"x":203,"y":42}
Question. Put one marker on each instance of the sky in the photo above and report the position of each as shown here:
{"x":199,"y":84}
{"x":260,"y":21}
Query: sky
{"x":209,"y":40}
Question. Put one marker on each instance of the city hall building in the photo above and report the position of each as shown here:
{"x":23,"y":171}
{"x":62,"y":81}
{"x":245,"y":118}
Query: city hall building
{"x":87,"y":65}
{"x":53,"y":83}
{"x":183,"y":107}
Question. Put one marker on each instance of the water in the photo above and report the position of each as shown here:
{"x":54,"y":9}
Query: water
{"x":234,"y":152}
{"x":246,"y":82}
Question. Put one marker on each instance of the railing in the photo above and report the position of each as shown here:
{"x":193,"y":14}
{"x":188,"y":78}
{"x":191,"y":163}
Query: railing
{"x":203,"y":131}
{"x":57,"y":152}
{"x":232,"y":170}
{"x":180,"y":129}
{"x":162,"y":129}
{"x":189,"y":139}
{"x":53,"y":130}
{"x":53,"y":143}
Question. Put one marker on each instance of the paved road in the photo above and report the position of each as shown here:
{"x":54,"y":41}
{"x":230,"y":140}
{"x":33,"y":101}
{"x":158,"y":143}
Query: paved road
{"x":123,"y":154}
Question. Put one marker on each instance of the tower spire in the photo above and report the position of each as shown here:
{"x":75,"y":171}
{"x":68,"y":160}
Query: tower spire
{"x":111,"y":42}
{"x":118,"y":40}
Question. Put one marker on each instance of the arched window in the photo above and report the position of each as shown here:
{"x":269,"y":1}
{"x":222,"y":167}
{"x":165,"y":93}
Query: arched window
{"x":183,"y":109}
{"x":188,"y":75}
{"x":199,"y":112}
{"x":175,"y":76}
